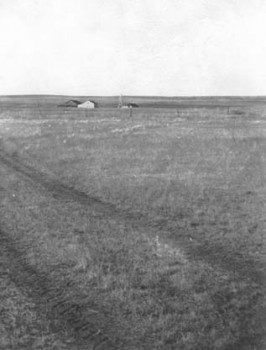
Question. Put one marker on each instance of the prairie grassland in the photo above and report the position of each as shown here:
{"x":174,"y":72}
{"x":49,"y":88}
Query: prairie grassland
{"x":152,"y":227}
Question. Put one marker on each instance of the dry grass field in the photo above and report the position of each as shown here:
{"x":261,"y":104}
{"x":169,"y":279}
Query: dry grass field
{"x":132,"y":233}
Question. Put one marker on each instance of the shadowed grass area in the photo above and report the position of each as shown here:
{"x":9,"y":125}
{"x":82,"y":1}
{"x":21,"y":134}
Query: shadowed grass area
{"x":198,"y":180}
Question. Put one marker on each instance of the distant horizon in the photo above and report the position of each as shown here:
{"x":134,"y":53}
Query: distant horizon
{"x":139,"y":96}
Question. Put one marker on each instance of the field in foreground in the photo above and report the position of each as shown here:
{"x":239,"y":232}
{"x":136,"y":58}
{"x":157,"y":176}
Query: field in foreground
{"x":142,"y":233}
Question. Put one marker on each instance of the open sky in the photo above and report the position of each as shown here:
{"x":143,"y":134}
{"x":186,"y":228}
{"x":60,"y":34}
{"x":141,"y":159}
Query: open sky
{"x":133,"y":47}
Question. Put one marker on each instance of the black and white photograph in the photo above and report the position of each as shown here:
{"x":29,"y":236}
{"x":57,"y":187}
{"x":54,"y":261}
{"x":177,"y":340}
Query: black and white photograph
{"x":132,"y":175}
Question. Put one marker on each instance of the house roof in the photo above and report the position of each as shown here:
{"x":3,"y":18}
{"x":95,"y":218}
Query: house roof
{"x":89,"y":102}
{"x":73,"y":102}
{"x":70,"y":103}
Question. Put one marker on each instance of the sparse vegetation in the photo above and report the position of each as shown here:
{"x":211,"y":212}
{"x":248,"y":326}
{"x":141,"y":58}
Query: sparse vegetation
{"x":137,"y":234}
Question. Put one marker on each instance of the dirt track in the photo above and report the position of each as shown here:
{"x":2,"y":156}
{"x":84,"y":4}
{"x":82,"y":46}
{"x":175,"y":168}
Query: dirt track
{"x":238,"y":264}
{"x":63,"y":319}
{"x":66,"y":318}
{"x":20,"y":290}
{"x":65,"y":322}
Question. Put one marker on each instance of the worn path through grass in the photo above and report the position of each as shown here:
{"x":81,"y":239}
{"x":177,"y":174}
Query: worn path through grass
{"x":196,"y":249}
{"x":26,"y":321}
{"x":236,"y":268}
{"x":147,"y":233}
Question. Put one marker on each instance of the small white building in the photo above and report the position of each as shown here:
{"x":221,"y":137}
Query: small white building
{"x":88,"y":104}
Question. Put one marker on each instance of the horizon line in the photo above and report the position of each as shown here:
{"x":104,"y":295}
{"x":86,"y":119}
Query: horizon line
{"x":140,"y":96}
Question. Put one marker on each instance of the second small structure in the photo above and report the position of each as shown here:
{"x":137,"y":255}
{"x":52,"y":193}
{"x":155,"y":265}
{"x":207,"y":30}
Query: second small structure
{"x":88,"y":104}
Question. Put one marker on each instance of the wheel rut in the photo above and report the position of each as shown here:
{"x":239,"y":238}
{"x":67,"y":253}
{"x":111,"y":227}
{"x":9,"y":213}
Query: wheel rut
{"x":68,"y":319}
{"x":196,"y":249}
{"x":90,"y":330}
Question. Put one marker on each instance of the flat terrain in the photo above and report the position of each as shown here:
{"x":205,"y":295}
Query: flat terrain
{"x":133,"y":233}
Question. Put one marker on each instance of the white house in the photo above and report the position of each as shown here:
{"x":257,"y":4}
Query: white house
{"x":88,"y":104}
